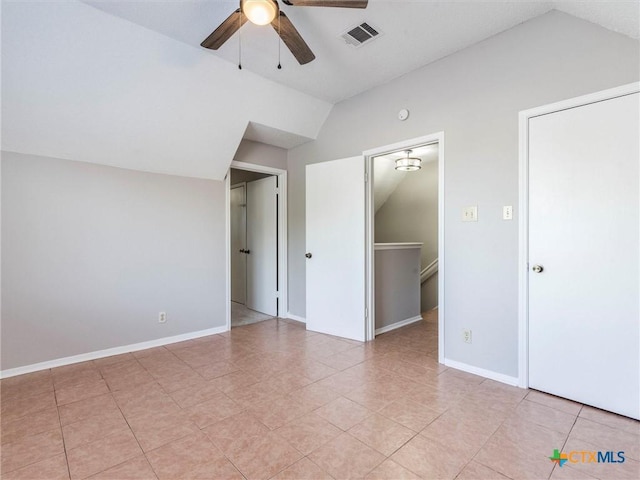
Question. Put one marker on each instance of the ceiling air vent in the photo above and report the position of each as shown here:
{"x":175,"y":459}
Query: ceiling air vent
{"x":360,"y":34}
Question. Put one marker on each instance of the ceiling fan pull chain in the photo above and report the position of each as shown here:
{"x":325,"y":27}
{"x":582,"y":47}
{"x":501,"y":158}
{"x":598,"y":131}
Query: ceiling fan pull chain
{"x":239,"y":41}
{"x":279,"y":43}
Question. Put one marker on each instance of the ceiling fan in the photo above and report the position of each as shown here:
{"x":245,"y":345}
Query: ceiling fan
{"x":262,"y":12}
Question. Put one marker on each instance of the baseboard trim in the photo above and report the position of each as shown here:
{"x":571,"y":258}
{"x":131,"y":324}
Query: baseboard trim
{"x":490,"y":374}
{"x":296,"y":317}
{"x":401,"y":323}
{"x":84,"y":357}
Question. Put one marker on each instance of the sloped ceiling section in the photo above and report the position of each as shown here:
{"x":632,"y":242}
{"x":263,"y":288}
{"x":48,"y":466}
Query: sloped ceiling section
{"x":388,"y":179}
{"x":79,"y":84}
{"x":272,"y":136}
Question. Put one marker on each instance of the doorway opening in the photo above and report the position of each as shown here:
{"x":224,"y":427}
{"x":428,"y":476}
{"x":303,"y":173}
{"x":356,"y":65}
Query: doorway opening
{"x":256,"y":244}
{"x":405,"y":230}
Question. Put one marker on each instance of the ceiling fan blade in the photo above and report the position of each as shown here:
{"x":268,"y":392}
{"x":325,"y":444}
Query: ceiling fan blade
{"x":224,"y":32}
{"x":328,"y":3}
{"x":292,"y":39}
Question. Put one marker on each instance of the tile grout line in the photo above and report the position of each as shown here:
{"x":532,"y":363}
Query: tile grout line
{"x":46,"y":431}
{"x":111,"y":392}
{"x":311,"y":460}
{"x":566,"y":440}
{"x":489,"y":438}
{"x":64,"y":443}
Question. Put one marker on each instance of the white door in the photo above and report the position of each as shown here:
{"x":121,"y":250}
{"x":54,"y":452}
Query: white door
{"x":335,"y":238}
{"x":238,"y":244}
{"x":262,"y":246}
{"x":584,"y":232}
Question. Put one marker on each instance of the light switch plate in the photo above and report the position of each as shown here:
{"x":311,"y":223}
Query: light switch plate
{"x":507,"y":212}
{"x":470,"y":214}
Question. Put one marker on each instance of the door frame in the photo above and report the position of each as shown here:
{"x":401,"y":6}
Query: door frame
{"x":283,"y":279}
{"x":523,"y":227}
{"x":370,"y":238}
{"x":231,"y":187}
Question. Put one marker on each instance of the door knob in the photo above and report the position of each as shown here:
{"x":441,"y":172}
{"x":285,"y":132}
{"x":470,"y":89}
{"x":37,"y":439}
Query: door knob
{"x":242,"y":250}
{"x":247,"y":252}
{"x":308,"y":255}
{"x":538,"y":268}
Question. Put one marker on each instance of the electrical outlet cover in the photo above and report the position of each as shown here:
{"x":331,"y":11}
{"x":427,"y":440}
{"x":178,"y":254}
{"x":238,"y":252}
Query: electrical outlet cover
{"x":466,"y":336}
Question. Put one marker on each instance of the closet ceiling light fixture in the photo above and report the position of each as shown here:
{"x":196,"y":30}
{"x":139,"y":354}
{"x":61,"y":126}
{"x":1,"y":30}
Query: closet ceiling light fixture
{"x":408,"y":163}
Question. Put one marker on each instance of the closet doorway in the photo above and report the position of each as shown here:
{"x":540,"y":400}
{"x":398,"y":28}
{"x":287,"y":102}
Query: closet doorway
{"x":254,"y":237}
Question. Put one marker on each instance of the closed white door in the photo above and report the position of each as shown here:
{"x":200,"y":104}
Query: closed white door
{"x":262,"y":246}
{"x":335,"y":239}
{"x":584,"y":242}
{"x":238,"y":244}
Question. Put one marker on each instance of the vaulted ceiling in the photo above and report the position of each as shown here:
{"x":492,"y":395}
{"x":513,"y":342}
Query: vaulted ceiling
{"x":126,"y":83}
{"x":413,"y":33}
{"x":79,"y":84}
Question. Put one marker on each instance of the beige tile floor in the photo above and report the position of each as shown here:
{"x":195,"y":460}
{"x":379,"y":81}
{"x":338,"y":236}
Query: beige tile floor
{"x":271,"y":400}
{"x":241,"y":315}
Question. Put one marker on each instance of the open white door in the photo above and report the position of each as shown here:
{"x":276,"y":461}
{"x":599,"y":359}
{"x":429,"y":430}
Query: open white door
{"x":335,"y":238}
{"x":238,"y":244}
{"x":584,"y":254}
{"x":262,"y":246}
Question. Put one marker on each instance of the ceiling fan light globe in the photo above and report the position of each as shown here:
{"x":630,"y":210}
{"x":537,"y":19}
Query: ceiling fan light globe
{"x":260,"y":12}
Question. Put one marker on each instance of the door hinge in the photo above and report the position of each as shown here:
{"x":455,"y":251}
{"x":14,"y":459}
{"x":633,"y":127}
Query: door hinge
{"x":366,"y":177}
{"x":366,"y":313}
{"x":277,"y":190}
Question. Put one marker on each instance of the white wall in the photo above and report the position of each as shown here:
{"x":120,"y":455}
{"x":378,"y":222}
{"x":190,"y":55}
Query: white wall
{"x":261,"y":154}
{"x":397,"y":279}
{"x":83,"y":85}
{"x":474,"y":96}
{"x":429,"y":293}
{"x":91,"y":254}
